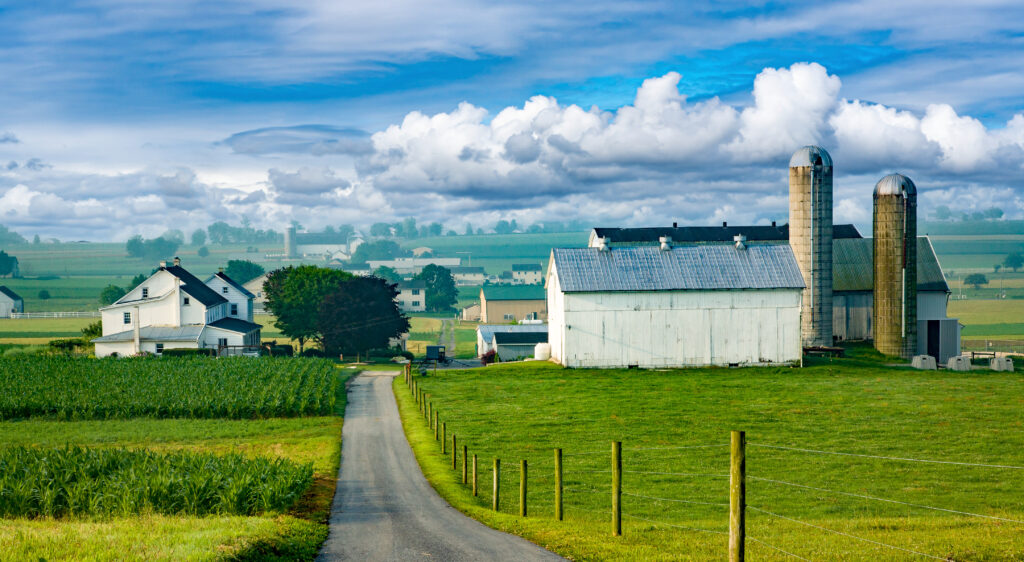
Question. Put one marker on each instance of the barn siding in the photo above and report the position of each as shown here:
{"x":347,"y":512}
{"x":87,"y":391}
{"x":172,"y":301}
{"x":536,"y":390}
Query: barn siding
{"x":675,"y":328}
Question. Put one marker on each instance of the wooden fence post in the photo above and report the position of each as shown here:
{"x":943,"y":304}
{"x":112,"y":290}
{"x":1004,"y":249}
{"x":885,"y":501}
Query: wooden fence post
{"x":455,"y":453}
{"x":737,"y":495}
{"x":430,"y":414}
{"x":616,"y":488}
{"x":496,"y":494}
{"x":522,"y":488}
{"x":444,"y":438}
{"x":558,"y":484}
{"x":465,"y":464}
{"x":474,"y":476}
{"x":436,"y":428}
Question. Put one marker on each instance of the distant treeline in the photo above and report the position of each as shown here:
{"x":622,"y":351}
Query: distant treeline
{"x":971,"y":227}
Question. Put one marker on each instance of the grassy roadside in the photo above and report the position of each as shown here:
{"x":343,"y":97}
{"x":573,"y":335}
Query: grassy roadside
{"x":294,"y":535}
{"x":523,"y":411}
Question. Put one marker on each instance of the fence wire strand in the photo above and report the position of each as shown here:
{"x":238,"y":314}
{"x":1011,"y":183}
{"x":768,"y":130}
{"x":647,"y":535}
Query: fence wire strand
{"x":625,"y":493}
{"x":672,"y":473}
{"x":884,"y":500}
{"x":766,"y":512}
{"x":904,"y":459}
{"x":773,"y":547}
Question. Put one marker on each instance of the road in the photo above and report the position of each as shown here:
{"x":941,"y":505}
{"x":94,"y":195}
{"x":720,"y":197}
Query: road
{"x":384,"y":509}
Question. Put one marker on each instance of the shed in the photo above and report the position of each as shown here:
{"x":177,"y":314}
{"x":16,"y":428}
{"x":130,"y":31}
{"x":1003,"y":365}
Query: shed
{"x":515,"y":346}
{"x":485,"y":333}
{"x":512,"y":303}
{"x":685,"y":306}
{"x":10,"y":302}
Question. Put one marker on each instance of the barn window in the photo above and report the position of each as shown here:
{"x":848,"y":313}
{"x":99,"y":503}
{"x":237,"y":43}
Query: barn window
{"x":127,"y":317}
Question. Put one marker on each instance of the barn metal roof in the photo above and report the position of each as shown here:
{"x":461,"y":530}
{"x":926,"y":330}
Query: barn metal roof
{"x":193,"y":286}
{"x":895,"y":184}
{"x":807,"y":156}
{"x":514,"y":292}
{"x":187,"y":333}
{"x":694,"y":267}
{"x":699,"y":234}
{"x":853,"y":264}
{"x":487,"y":331}
{"x":236,"y":325}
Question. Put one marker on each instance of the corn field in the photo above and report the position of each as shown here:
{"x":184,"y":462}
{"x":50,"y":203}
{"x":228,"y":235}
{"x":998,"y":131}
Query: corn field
{"x":69,"y":388}
{"x":80,"y":482}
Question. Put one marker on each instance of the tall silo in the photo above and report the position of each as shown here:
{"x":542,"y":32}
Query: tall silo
{"x":895,"y":267}
{"x":810,"y":235}
{"x":291,"y":250}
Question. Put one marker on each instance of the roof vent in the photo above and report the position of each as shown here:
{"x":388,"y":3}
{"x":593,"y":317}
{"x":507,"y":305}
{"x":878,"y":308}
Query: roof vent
{"x":724,"y":224}
{"x":163,"y":264}
{"x":675,"y":225}
{"x":177,"y":261}
{"x":220,"y":270}
{"x":773,"y":224}
{"x":666,"y":242}
{"x":741,"y":241}
{"x":602,"y":244}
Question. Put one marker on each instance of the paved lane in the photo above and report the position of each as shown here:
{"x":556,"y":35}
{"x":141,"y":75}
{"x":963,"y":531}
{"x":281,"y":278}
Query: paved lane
{"x":384,"y":509}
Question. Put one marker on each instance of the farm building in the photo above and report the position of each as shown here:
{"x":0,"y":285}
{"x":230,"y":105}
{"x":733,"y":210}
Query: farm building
{"x":648,"y":236}
{"x":174,"y":309}
{"x":413,"y":266}
{"x":485,"y":334}
{"x":10,"y":302}
{"x":526,"y":274}
{"x":468,"y":275}
{"x":412,"y":296}
{"x":471,"y":313}
{"x":513,"y":303}
{"x":320,"y":244}
{"x":669,"y":306}
{"x":255,"y":286}
{"x":516,"y":346}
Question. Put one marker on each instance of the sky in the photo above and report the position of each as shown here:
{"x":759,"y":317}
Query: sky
{"x":120,"y":117}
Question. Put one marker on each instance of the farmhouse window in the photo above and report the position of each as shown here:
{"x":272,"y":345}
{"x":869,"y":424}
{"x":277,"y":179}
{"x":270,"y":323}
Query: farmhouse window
{"x":415,"y":303}
{"x":159,"y":348}
{"x":187,"y":302}
{"x":234,"y":309}
{"x":510,"y":317}
{"x":415,"y":291}
{"x":145,"y":292}
{"x":127,"y":317}
{"x":222,"y":342}
{"x":224,"y":289}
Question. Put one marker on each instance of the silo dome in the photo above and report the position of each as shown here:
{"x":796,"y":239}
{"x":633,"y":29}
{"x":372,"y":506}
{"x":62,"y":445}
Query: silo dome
{"x":810,"y":156}
{"x":895,"y":184}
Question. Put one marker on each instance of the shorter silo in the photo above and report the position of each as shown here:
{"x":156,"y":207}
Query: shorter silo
{"x":895,"y":266}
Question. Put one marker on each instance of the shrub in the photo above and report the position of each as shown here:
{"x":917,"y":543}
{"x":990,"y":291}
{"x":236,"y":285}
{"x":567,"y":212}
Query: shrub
{"x":44,"y":295}
{"x":78,"y":481}
{"x":186,"y":352}
{"x":489,"y":357}
{"x":67,"y":345}
{"x":312,"y":352}
{"x":282,"y":350}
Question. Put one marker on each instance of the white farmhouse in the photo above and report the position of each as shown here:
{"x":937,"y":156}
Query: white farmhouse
{"x":10,"y":302}
{"x":412,"y":296}
{"x":651,"y":306}
{"x":526,"y":273}
{"x":174,"y":309}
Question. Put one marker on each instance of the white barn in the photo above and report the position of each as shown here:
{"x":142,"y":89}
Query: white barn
{"x":10,"y":302}
{"x":650,"y":306}
{"x":174,"y":309}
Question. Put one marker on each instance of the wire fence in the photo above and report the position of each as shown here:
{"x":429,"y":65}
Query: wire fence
{"x":692,"y":488}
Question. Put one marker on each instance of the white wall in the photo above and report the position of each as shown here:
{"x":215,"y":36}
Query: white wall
{"x":122,"y":349}
{"x":234,"y":296}
{"x":406,"y":299}
{"x":675,"y":328}
{"x":852,"y":312}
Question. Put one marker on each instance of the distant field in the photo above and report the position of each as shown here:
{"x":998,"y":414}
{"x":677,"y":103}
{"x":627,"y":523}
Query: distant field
{"x":972,"y":312}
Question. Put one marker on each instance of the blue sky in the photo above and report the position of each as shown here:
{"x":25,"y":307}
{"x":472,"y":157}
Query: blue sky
{"x":142,"y":115}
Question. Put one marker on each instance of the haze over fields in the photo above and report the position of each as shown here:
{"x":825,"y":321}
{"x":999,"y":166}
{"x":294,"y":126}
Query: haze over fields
{"x":119,"y":121}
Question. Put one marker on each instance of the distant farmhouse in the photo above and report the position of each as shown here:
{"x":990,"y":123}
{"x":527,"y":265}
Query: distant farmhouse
{"x":174,"y":309}
{"x":411,"y":266}
{"x":468,"y":275}
{"x":665,"y":306}
{"x":255,"y":286}
{"x":412,"y":296}
{"x":327,"y":245}
{"x":526,"y":274}
{"x":10,"y":302}
{"x":512,"y":303}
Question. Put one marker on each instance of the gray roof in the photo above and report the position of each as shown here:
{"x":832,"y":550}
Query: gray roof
{"x":235,"y":325}
{"x":487,"y":331}
{"x":853,"y":264}
{"x":708,"y":234}
{"x":520,"y":338}
{"x":193,"y":286}
{"x":412,"y":284}
{"x":5,"y":291}
{"x":808,"y":156}
{"x":187,"y":333}
{"x":701,"y":267}
{"x":895,"y":184}
{"x":232,"y":282}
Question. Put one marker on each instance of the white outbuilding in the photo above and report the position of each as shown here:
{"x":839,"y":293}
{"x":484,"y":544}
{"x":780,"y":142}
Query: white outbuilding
{"x":692,"y":305}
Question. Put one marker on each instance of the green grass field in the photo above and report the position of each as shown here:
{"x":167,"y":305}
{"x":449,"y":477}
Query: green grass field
{"x":675,"y":426}
{"x":294,"y":534}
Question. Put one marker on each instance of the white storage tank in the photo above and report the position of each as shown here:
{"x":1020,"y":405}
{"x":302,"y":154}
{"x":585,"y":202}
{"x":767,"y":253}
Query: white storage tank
{"x":542,"y":351}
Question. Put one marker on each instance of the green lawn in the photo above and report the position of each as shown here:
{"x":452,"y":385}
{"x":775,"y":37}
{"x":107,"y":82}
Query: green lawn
{"x":465,"y":340}
{"x":296,"y":534}
{"x":524,"y":411}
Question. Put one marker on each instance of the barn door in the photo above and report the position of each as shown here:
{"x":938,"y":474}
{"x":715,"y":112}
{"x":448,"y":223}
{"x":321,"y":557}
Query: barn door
{"x":934,"y":339}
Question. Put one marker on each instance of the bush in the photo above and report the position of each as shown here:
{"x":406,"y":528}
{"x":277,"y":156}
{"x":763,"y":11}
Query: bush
{"x":44,"y":295}
{"x":282,"y":350}
{"x":408,"y":355}
{"x":186,"y":352}
{"x":489,"y":357}
{"x":77,"y":481}
{"x":312,"y":352}
{"x":66,"y":345}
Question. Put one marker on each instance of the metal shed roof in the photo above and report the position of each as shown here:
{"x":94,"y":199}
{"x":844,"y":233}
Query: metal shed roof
{"x":704,"y":234}
{"x":853,"y":264}
{"x":514,"y":293}
{"x":521,"y":338}
{"x":487,"y":331}
{"x":187,"y":333}
{"x":9,"y":293}
{"x":700,"y":267}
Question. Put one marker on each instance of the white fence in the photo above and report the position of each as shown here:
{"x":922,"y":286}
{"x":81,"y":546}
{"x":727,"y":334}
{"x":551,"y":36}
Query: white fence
{"x":30,"y":315}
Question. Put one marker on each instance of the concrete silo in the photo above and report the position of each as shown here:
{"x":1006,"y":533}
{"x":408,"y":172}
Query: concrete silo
{"x":810,"y":235}
{"x":895,"y":267}
{"x":291,"y":250}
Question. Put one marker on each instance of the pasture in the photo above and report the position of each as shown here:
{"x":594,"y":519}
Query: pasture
{"x":294,"y":459}
{"x":901,"y":491}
